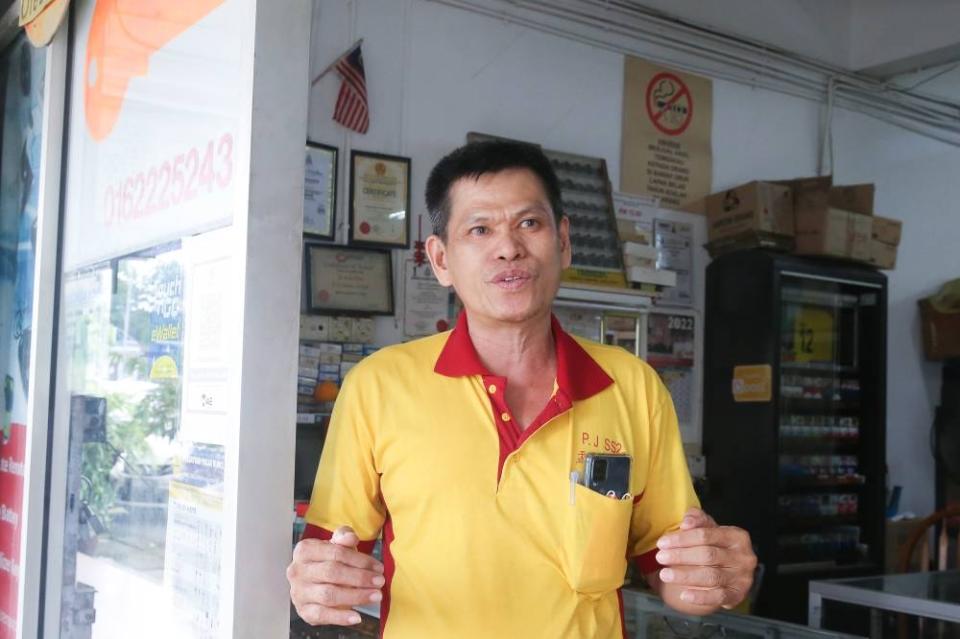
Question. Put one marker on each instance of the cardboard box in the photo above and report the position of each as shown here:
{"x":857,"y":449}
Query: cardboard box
{"x":813,"y":195}
{"x":856,"y":198}
{"x":834,"y":233}
{"x":823,"y":232}
{"x":940,"y":320}
{"x":886,"y":230}
{"x":809,"y":194}
{"x":757,"y":206}
{"x":860,"y":227}
{"x":883,"y":255}
{"x":749,"y":241}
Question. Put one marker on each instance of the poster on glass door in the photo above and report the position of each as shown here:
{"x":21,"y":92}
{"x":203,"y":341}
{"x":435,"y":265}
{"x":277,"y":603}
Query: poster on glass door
{"x":153,"y":150}
{"x":21,"y":88}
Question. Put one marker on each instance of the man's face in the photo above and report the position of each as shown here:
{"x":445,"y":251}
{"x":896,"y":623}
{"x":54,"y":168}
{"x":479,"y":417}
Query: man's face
{"x":504,"y":251}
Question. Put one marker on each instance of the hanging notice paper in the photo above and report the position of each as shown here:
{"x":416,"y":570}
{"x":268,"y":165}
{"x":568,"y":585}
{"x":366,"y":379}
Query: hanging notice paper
{"x":667,"y":120}
{"x":426,"y":308}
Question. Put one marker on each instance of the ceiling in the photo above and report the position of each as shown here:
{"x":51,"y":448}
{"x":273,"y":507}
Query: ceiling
{"x":882,"y":38}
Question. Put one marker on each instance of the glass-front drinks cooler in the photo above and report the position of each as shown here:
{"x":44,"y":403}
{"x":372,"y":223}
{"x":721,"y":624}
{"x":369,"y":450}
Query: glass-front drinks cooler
{"x":794,"y":417}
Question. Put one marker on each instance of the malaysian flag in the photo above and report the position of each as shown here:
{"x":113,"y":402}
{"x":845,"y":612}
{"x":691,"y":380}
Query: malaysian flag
{"x":352,"y":110}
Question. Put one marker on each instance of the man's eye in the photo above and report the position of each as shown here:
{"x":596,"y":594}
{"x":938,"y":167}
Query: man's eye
{"x":529,"y":223}
{"x":478,"y":230}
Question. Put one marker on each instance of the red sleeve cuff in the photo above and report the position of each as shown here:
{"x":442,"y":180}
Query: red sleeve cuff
{"x":647,"y":562}
{"x":316,"y":532}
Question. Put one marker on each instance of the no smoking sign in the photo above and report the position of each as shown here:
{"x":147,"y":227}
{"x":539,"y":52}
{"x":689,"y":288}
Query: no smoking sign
{"x":669,"y":104}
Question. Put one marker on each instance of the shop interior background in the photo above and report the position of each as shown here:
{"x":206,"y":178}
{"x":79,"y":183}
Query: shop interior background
{"x":435,"y":72}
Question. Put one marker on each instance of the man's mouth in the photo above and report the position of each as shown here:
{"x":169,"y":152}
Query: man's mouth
{"x":511,"y":279}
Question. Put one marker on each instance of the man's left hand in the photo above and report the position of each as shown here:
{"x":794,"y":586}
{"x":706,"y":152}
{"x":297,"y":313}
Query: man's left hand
{"x":706,"y":566}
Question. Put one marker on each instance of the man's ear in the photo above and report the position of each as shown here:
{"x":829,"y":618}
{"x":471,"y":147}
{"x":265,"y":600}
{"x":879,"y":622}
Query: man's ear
{"x":437,"y":252}
{"x":566,"y":251}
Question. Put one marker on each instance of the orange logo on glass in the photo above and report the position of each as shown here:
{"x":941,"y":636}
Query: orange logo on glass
{"x":124,"y":34}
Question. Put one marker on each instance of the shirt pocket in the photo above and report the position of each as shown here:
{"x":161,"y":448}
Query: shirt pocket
{"x":595,"y":543}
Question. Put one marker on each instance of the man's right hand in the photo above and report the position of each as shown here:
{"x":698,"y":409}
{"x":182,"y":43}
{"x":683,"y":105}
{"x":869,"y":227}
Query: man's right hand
{"x":327,"y":578}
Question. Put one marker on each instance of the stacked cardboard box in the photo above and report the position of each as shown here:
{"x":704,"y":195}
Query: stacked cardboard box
{"x":832,"y":221}
{"x":884,"y":240}
{"x":810,"y":216}
{"x":839,"y":221}
{"x":757,"y":214}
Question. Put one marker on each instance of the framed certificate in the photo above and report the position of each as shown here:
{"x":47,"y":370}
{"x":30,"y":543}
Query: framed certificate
{"x":349,"y":280}
{"x":320,"y":191}
{"x":379,"y":200}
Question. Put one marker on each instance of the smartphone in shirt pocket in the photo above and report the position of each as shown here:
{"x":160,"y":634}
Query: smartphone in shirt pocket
{"x":608,"y":475}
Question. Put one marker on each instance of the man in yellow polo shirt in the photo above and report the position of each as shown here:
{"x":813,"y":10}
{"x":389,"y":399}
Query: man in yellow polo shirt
{"x":462,"y":449}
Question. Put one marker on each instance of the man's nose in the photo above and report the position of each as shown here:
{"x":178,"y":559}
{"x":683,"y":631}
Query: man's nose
{"x":510,"y":246}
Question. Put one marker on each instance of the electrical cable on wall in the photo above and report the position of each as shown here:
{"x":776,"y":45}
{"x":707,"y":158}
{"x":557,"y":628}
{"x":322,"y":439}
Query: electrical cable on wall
{"x":826,"y":132}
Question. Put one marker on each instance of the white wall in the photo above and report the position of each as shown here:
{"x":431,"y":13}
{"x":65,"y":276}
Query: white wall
{"x":434,"y":73}
{"x":916,"y":181}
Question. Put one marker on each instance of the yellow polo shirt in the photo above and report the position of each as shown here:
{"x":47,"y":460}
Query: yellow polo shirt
{"x":480,"y":536}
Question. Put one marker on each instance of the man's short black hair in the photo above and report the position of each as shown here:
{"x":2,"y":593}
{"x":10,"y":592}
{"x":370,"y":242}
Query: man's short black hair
{"x":479,"y":158}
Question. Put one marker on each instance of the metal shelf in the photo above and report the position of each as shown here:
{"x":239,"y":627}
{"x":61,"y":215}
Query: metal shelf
{"x":602,"y":298}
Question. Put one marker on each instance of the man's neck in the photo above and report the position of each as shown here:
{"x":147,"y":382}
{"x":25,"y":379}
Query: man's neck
{"x":507,"y":350}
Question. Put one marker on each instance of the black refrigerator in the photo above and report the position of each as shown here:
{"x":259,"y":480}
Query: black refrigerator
{"x":794,"y":417}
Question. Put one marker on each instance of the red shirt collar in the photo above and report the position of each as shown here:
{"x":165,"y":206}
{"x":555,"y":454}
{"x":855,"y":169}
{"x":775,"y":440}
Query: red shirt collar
{"x":578,"y":375}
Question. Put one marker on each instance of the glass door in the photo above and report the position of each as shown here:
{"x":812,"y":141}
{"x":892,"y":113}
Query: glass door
{"x":154,"y":167}
{"x":829,"y":428}
{"x":171,"y":461}
{"x":121,"y":344}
